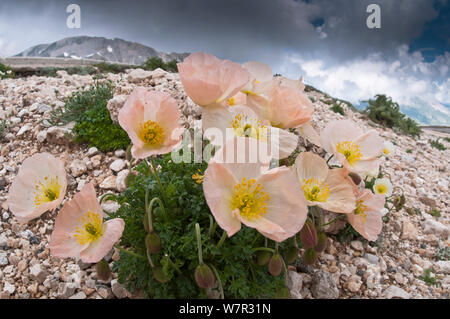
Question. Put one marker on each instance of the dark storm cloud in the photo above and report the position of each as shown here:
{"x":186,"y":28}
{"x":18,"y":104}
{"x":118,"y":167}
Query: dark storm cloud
{"x":236,"y":29}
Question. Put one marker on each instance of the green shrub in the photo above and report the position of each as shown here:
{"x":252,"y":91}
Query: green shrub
{"x":6,"y":72}
{"x":336,"y":108}
{"x":185,"y":205}
{"x":428,"y":278}
{"x":409,"y":151}
{"x":435,"y":212}
{"x":111,"y":67}
{"x":384,"y":111}
{"x":93,"y":124}
{"x":156,"y":62}
{"x":437,"y":144}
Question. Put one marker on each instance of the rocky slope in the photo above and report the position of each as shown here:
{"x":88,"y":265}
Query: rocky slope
{"x":391,"y":269}
{"x":99,"y":48}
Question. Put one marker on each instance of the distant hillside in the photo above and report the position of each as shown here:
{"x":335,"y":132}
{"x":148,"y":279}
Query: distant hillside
{"x":99,"y":48}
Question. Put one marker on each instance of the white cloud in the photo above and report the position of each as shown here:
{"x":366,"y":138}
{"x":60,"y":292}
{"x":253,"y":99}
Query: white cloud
{"x":415,"y":84}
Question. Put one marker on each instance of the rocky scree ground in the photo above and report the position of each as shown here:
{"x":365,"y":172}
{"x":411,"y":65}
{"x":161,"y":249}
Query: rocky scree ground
{"x":410,"y":260}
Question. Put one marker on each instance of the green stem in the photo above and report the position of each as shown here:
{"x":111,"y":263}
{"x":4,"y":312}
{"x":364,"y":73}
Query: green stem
{"x":199,"y":243}
{"x":295,"y":241}
{"x":156,"y":174}
{"x":332,"y":155}
{"x":173,"y":265}
{"x":319,"y":214}
{"x":218,"y":279}
{"x":222,"y":239}
{"x":149,"y":258}
{"x":276,"y":247}
{"x":285,"y":271}
{"x":130,"y":252}
{"x":333,"y":220}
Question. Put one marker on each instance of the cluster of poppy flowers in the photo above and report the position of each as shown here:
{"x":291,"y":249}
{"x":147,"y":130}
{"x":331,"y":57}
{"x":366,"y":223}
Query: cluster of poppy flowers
{"x":253,"y":104}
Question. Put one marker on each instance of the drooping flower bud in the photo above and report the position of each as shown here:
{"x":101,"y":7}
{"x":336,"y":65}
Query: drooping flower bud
{"x":309,"y":257}
{"x":308,"y":235}
{"x":399,"y":202}
{"x":283,"y":293}
{"x":159,"y":275}
{"x":291,"y":255}
{"x":103,"y":270}
{"x":204,"y":276}
{"x":153,"y":243}
{"x":355,"y":178}
{"x":263,"y":257}
{"x":275,"y":265}
{"x":322,"y":242}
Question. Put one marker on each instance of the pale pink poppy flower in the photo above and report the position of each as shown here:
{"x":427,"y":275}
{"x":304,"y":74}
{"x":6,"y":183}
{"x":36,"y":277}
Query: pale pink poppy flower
{"x":39,"y":186}
{"x":328,"y":189}
{"x":209,"y":80}
{"x":80,"y":231}
{"x":248,"y":192}
{"x":366,"y":219}
{"x":151,"y":120}
{"x":239,"y":99}
{"x":242,"y":121}
{"x":308,"y":132}
{"x":284,"y":106}
{"x":355,"y":150}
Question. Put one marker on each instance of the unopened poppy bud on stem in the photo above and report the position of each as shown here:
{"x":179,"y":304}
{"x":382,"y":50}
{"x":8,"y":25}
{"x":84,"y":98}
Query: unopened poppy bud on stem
{"x":263,"y":257}
{"x":204,"y":276}
{"x":153,"y":243}
{"x":355,"y":178}
{"x":159,"y":275}
{"x":283,"y":293}
{"x":276,"y":265}
{"x":322,"y":241}
{"x":309,"y":257}
{"x":308,"y":235}
{"x":291,"y":255}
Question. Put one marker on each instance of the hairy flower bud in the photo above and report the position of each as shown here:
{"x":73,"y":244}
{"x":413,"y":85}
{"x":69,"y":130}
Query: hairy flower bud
{"x":309,"y":257}
{"x":159,"y":275}
{"x":291,"y":255}
{"x":283,"y":293}
{"x":399,"y":202}
{"x":103,"y":270}
{"x":322,"y":242}
{"x":204,"y":276}
{"x":308,"y":235}
{"x":263,"y":257}
{"x":276,"y":265}
{"x":153,"y":243}
{"x":355,"y":178}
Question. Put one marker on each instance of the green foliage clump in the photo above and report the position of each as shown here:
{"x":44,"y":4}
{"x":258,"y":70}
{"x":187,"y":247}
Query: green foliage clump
{"x":428,"y":278}
{"x":93,"y":124}
{"x":112,"y":67}
{"x":336,"y":108}
{"x":156,"y":62}
{"x":409,"y":151}
{"x":435,"y":212}
{"x":234,"y":262}
{"x":2,"y":129}
{"x":6,"y":72}
{"x":437,"y":144}
{"x":384,"y":111}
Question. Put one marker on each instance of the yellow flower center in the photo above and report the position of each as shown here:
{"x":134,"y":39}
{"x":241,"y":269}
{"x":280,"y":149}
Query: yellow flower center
{"x":151,"y":133}
{"x":198,"y":178}
{"x":315,"y":191}
{"x":250,"y":199}
{"x":231,"y":101}
{"x":386,"y":151}
{"x":247,"y":127}
{"x":361,"y":209}
{"x":381,"y":189}
{"x":47,"y":191}
{"x":350,"y":150}
{"x":91,"y":228}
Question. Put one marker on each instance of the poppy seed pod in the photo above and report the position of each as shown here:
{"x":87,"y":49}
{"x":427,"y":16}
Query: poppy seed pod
{"x":103,"y":270}
{"x":159,"y":275}
{"x":275,"y":265}
{"x":263,"y":257}
{"x":355,"y":178}
{"x":291,"y":255}
{"x":308,"y":235}
{"x":204,"y":276}
{"x":309,"y":257}
{"x":153,"y":243}
{"x":322,"y":242}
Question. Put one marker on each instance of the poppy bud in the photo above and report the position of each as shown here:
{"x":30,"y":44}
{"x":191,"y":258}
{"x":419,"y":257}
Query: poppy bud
{"x":276,"y":265}
{"x":309,"y":257}
{"x":321,"y":242}
{"x":283,"y":293}
{"x":355,"y":178}
{"x":128,"y":155}
{"x":145,"y":222}
{"x":308,"y":235}
{"x":291,"y":255}
{"x":159,"y":275}
{"x":399,"y":202}
{"x":263,"y":257}
{"x":153,"y":243}
{"x":204,"y":276}
{"x":103,"y":270}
